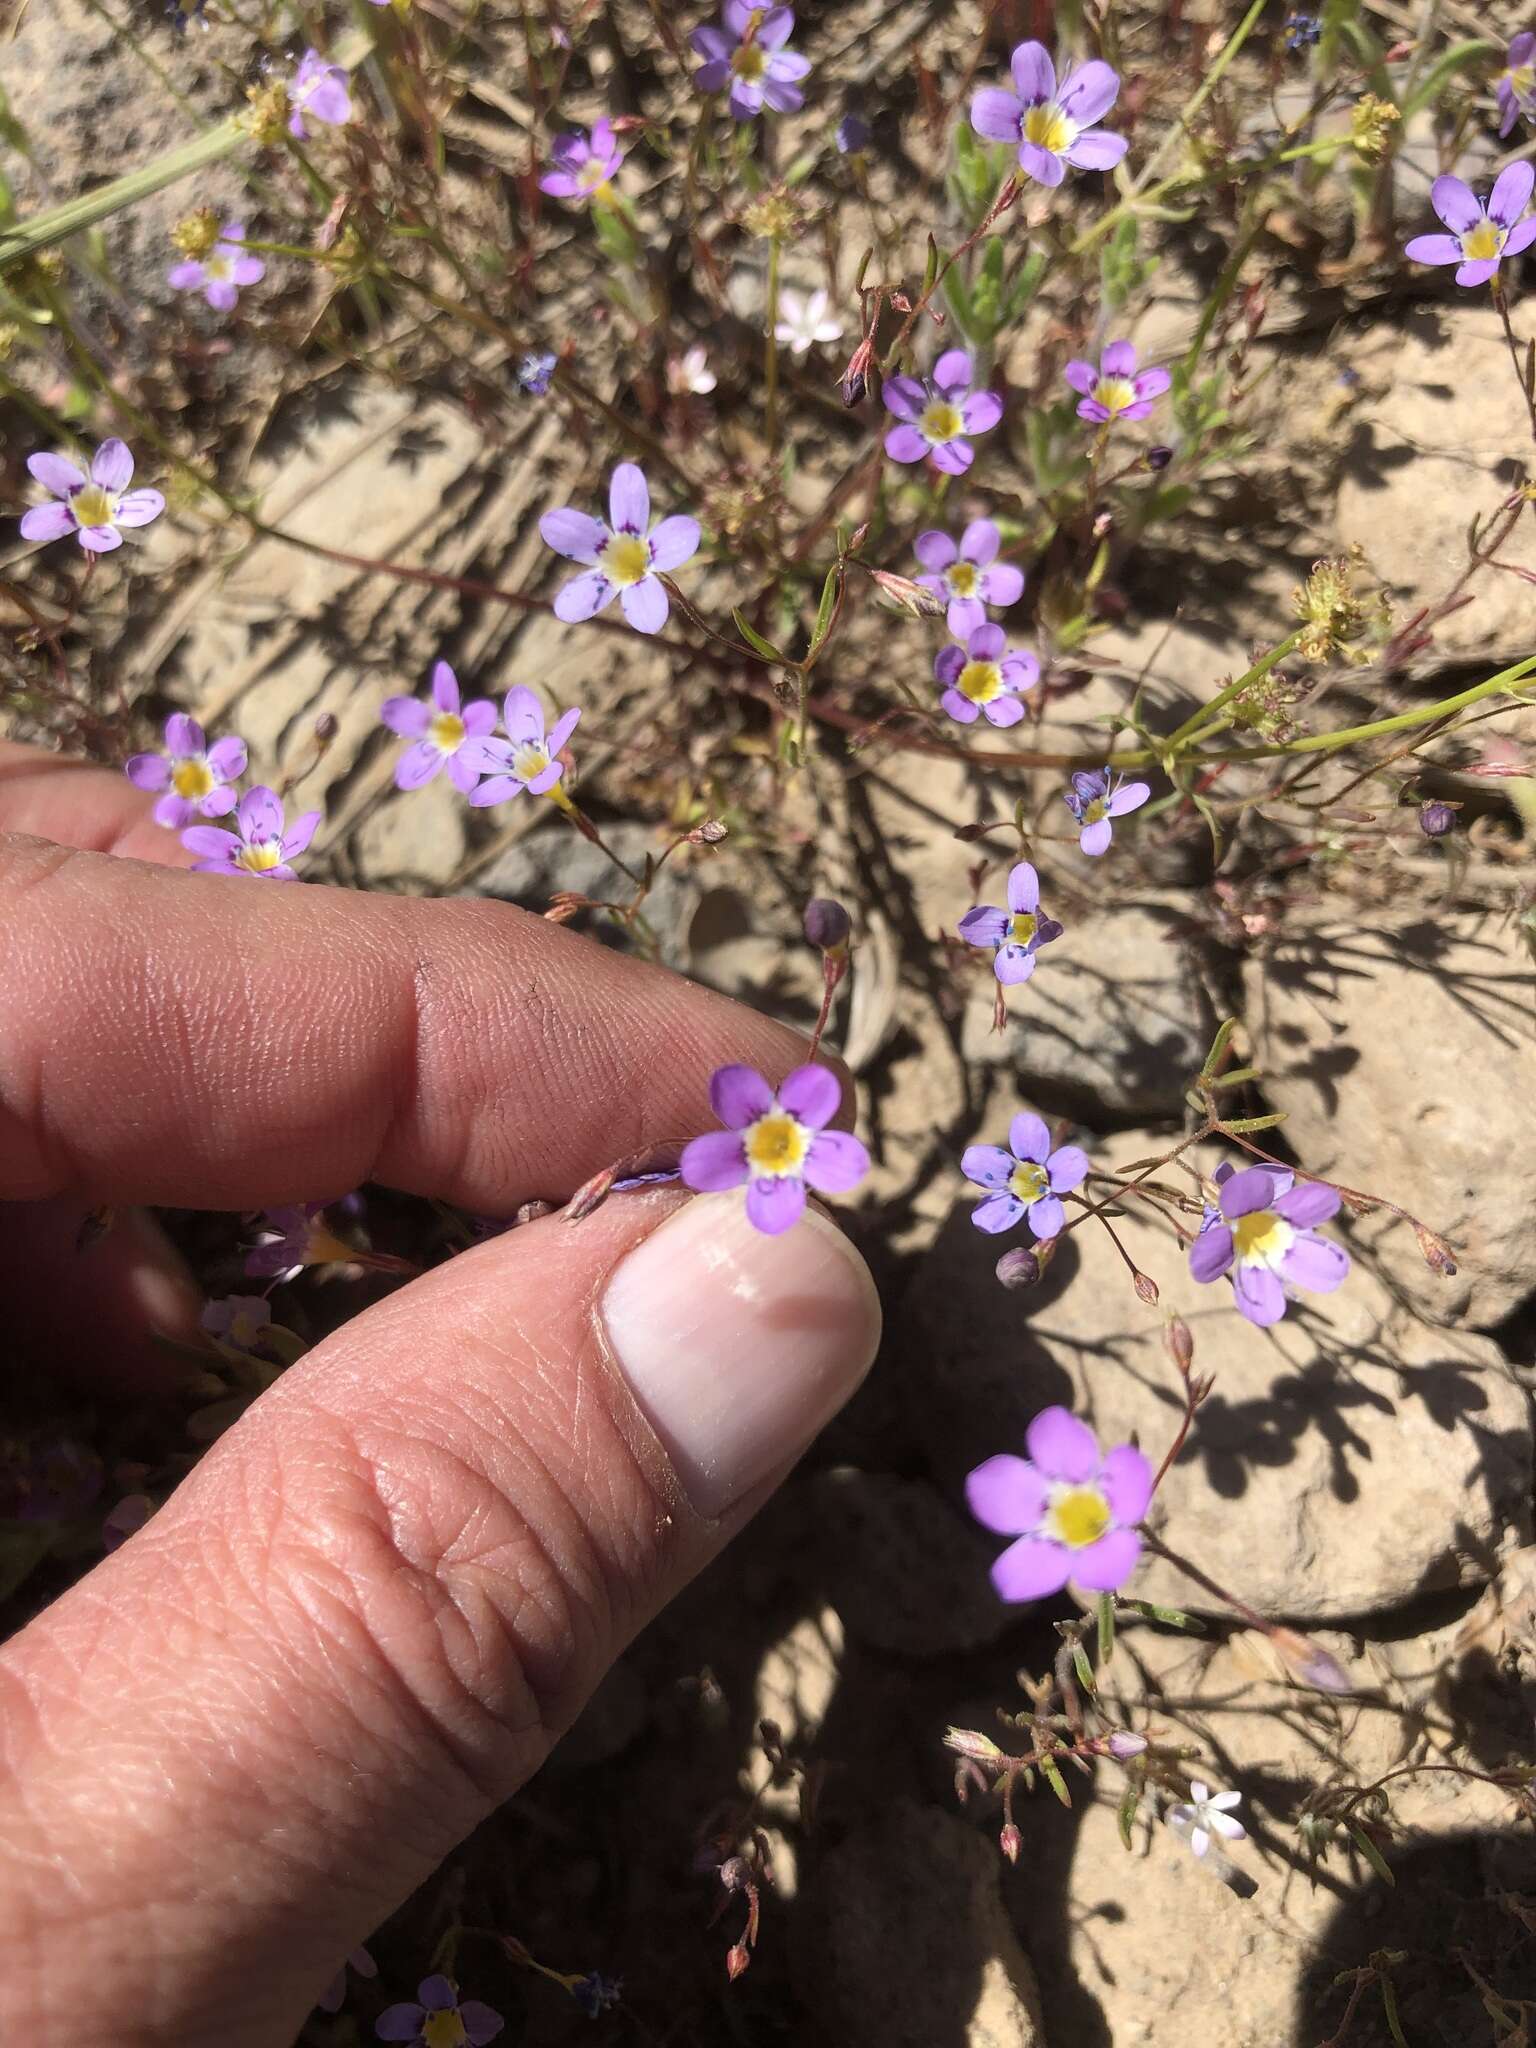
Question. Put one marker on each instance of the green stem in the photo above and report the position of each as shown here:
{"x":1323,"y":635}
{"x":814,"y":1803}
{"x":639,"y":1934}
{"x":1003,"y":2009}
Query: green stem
{"x":1327,"y":742}
{"x":1193,"y":728}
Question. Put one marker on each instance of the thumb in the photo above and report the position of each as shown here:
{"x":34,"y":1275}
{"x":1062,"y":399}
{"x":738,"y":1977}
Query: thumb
{"x":361,"y":1622}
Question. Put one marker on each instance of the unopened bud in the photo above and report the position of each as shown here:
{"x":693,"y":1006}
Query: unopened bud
{"x":1438,"y":1255}
{"x":1308,"y":1662}
{"x":826,"y":923}
{"x":530,"y":1212}
{"x":1146,"y":1289}
{"x":1180,"y":1341}
{"x":1436,"y":818}
{"x":737,"y":1961}
{"x":710,"y":833}
{"x":1010,"y":1841}
{"x":910,"y":596}
{"x":325,"y":728}
{"x":1019,"y":1269}
{"x":1123,"y":1745}
{"x":1159,"y":458}
{"x":854,"y":386}
{"x":972,"y":1743}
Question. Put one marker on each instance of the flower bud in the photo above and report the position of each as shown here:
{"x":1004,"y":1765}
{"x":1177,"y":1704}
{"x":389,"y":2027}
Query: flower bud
{"x":854,"y":386}
{"x":530,"y":1212}
{"x":852,"y":135}
{"x":1438,"y":1255}
{"x":710,"y":833}
{"x":1123,"y":1745}
{"x":1159,"y":458}
{"x":1019,"y":1269}
{"x":1436,"y":818}
{"x":1010,"y":1841}
{"x":1146,"y":1289}
{"x":325,"y":728}
{"x":910,"y":596}
{"x":1180,"y":1342}
{"x":737,"y":1961}
{"x":826,"y":923}
{"x":972,"y":1743}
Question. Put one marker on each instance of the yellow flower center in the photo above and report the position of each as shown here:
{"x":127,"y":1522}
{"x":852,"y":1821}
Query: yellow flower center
{"x":1095,"y":812}
{"x":444,"y":2029}
{"x":625,"y":559}
{"x":590,"y":177}
{"x":962,"y":579}
{"x":981,"y":681}
{"x":1521,"y":79}
{"x":749,"y":63}
{"x":1078,"y":1516}
{"x":1048,"y":127}
{"x":219,"y":267}
{"x":1029,"y":1181}
{"x":244,"y":1329}
{"x":1482,"y":243}
{"x":777,"y":1143}
{"x":258,"y":859}
{"x":941,"y":421}
{"x":446,"y":732}
{"x":192,"y":779}
{"x":1022,"y":927}
{"x":93,"y":506}
{"x":1115,"y":393}
{"x":1261,"y":1237}
{"x":529,"y":760}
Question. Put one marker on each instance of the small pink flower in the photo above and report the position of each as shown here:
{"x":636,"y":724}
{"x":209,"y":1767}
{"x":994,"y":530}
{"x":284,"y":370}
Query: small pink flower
{"x":197,"y":780}
{"x":1482,"y":233}
{"x":936,"y":416}
{"x":1073,"y":1510}
{"x":319,"y":89}
{"x":987,"y":677}
{"x":222,"y":272}
{"x":447,"y":733}
{"x":529,"y":757}
{"x":91,"y":508}
{"x":1115,"y":390}
{"x":261,"y":844}
{"x":775,"y":1143}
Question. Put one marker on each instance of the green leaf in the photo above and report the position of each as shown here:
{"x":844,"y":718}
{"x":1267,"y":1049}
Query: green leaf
{"x":1127,"y":1814}
{"x":757,"y":643}
{"x":1219,"y":1044}
{"x":1245,"y":1125}
{"x":1372,"y":1854}
{"x":1083,"y":1668}
{"x":825,"y":609}
{"x":1106,"y":1628}
{"x":1442,"y":71}
{"x":1055,"y":1780}
{"x":1170,"y":1617}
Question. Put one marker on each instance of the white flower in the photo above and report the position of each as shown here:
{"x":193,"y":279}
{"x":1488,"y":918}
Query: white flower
{"x":803,"y":321}
{"x":692,"y":373}
{"x":1207,"y":1814}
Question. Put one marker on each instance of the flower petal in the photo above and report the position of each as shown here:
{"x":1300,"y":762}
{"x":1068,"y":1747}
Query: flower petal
{"x":418,"y":765}
{"x":1081,"y":376}
{"x":1315,"y":1263}
{"x":261,"y":814}
{"x":1511,"y":193}
{"x":812,"y":1093}
{"x":227,"y":758}
{"x":138,"y":508}
{"x":1104,"y":1565}
{"x":904,"y":443}
{"x":1031,"y":1569}
{"x":583,"y":597}
{"x":675,"y":541}
{"x":445,"y":689}
{"x":1034,"y":75}
{"x":303,"y":829}
{"x":1097,"y":150}
{"x":952,"y":372}
{"x":1006,"y":1495}
{"x":148,"y":771}
{"x":576,"y":535}
{"x":739,"y":1096}
{"x":1014,"y":963}
{"x":1118,"y":359}
{"x":1260,"y":1295}
{"x":903,"y":396}
{"x":836,"y":1162}
{"x":988,"y":1165}
{"x":1520,"y":237}
{"x":1095,"y":838}
{"x":99,"y":540}
{"x":983,"y":926}
{"x":1125,"y":1478}
{"x":1129,"y":797}
{"x":1477,"y":273}
{"x":774,"y":1206}
{"x":1029,"y":1138}
{"x":523,"y":716}
{"x":1023,"y":891}
{"x":1433,"y":249}
{"x":1252,"y":1188}
{"x":47,"y":522}
{"x":112,"y":466}
{"x":398,"y":2022}
{"x":1046,"y":1218}
{"x":954,"y":458}
{"x":964,"y":615}
{"x":184,"y":736}
{"x":996,"y":115}
{"x":56,"y":472}
{"x":645,"y":604}
{"x":629,"y":499}
{"x":775,"y":28}
{"x":980,"y":542}
{"x":1040,"y":164}
{"x":481,"y":2023}
{"x":562,"y":729}
{"x":1211,"y":1253}
{"x":1062,"y":1445}
{"x":1067,"y":1168}
{"x":934,"y":550}
{"x":1455,"y":203}
{"x":406,"y":716}
{"x":997,"y":1213}
{"x":981,"y":412}
{"x":1309,"y":1203}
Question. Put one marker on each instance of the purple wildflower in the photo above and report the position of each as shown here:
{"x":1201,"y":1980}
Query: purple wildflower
{"x":1016,"y":932}
{"x":239,"y":1320}
{"x":1115,"y":390}
{"x":986,"y":675}
{"x":536,"y":372}
{"x":319,"y":89}
{"x":1073,"y":1511}
{"x":1482,"y":235}
{"x":1516,"y":86}
{"x":853,"y":135}
{"x":935,"y":415}
{"x":1026,"y":1181}
{"x":1095,"y":798}
{"x":775,"y":1143}
{"x":448,"y":733}
{"x":196,"y":779}
{"x":748,"y":54}
{"x":334,"y":1996}
{"x":294,"y":1236}
{"x":1263,"y":1234}
{"x":261,"y":845}
{"x":626,"y":560}
{"x":1207,"y":1813}
{"x":529,"y":758}
{"x":92,"y":508}
{"x":222,"y":272}
{"x":969,"y":577}
{"x":430,"y":2022}
{"x":1052,"y":127}
{"x":583,"y":167}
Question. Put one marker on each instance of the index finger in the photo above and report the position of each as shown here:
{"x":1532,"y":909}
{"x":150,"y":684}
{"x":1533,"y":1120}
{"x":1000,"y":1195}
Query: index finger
{"x":204,"y":1041}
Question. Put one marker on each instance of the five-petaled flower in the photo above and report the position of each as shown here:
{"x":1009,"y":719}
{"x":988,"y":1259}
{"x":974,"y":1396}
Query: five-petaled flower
{"x":1207,"y":1813}
{"x":968,"y":577}
{"x":223,"y":272}
{"x":1051,"y":126}
{"x":775,"y":1143}
{"x":241,"y":1320}
{"x":1017,"y":932}
{"x":1263,"y":1234}
{"x":1482,"y":233}
{"x":1116,"y":390}
{"x":1517,"y":81}
{"x":529,"y":758}
{"x":261,"y":844}
{"x":1027,"y":1180}
{"x":803,"y":321}
{"x":935,"y":415}
{"x":294,"y":1236}
{"x":583,"y":167}
{"x":319,"y":89}
{"x":439,"y":2018}
{"x":986,"y":675}
{"x":1095,"y":798}
{"x":91,"y":508}
{"x":195,"y":779}
{"x":447,"y":733}
{"x":1073,"y":1510}
{"x":748,"y":54}
{"x":626,"y":560}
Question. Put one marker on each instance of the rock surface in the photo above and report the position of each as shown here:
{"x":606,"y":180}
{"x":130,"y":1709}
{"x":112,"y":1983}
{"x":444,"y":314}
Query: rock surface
{"x":1349,"y":1459}
{"x":1393,"y":1055}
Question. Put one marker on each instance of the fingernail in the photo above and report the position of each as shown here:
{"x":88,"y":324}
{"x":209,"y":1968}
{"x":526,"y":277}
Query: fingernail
{"x":739,"y":1347}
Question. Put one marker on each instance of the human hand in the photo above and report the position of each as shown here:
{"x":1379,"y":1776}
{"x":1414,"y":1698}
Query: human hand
{"x":364,"y":1618}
